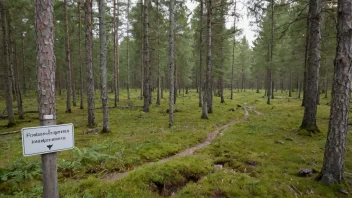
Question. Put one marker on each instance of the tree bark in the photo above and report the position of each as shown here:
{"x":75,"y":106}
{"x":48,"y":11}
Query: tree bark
{"x":335,"y":148}
{"x":305,"y":75}
{"x":310,"y":107}
{"x":158,"y":51}
{"x":290,"y":87}
{"x":81,"y":104}
{"x":128,"y":51}
{"x":89,"y":64}
{"x":116,"y":55}
{"x":103,"y":74}
{"x":233,"y":49}
{"x":207,"y":106}
{"x":17,"y":86}
{"x":146,"y":56}
{"x":68,"y":63}
{"x":171,"y":62}
{"x":6,"y":65}
{"x":142,"y":52}
{"x":24,"y":69}
{"x":200,"y":102}
{"x":44,"y":26}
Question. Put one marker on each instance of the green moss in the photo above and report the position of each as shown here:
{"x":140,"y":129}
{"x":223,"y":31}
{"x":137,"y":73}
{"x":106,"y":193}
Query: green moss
{"x":253,"y":165}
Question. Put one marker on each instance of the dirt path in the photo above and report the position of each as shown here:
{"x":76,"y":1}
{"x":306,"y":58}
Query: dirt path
{"x":210,"y":137}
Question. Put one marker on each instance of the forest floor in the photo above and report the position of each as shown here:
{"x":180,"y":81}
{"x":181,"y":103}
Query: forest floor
{"x":257,"y":155}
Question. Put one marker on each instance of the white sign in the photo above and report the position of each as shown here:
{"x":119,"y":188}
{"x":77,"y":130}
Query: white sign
{"x":47,"y":139}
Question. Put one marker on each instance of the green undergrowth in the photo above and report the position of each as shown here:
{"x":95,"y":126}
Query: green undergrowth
{"x":135,"y":138}
{"x":259,"y":157}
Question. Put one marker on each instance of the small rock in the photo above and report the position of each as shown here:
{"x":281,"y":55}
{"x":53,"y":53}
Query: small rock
{"x":306,"y":172}
{"x":218,"y":166}
{"x":309,"y":192}
{"x":289,"y":139}
{"x":343,"y":191}
{"x":232,"y":109}
{"x":279,"y":142}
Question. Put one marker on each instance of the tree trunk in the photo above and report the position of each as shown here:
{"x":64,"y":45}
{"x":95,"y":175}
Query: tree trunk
{"x":272,"y":89}
{"x":208,"y":80}
{"x":162,"y":87}
{"x":116,"y":55}
{"x":24,"y":69}
{"x":310,"y":107}
{"x":335,"y":148}
{"x":257,"y":84}
{"x":290,"y":87}
{"x":142,"y":52}
{"x":305,"y":75}
{"x":158,"y":51}
{"x":128,"y":52}
{"x":233,"y":49}
{"x":68,"y":63}
{"x":299,"y":89}
{"x":12,"y":59}
{"x":268,"y":86}
{"x":200,"y":102}
{"x":17,"y":86}
{"x":6,"y":65}
{"x":89,"y":64}
{"x":146,"y":56}
{"x":172,"y":62}
{"x":46,"y":66}
{"x":103,"y":74}
{"x":81,"y":104}
{"x":221,"y":75}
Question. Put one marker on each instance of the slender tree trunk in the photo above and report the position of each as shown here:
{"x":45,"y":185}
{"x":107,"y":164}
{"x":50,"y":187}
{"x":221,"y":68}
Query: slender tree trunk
{"x":272,"y":89}
{"x":24,"y":69}
{"x":17,"y":86}
{"x":305,"y":75}
{"x":172,"y":62}
{"x":103,"y":74}
{"x":290,"y":87}
{"x":257,"y":84}
{"x":268,"y":86}
{"x":81,"y":104}
{"x":310,"y":108}
{"x":233,"y":49}
{"x":6,"y":65}
{"x":128,"y":51}
{"x":162,"y":87}
{"x":222,"y":57}
{"x":11,"y":57}
{"x":208,"y":79}
{"x":146,"y":56}
{"x":116,"y":55}
{"x":200,"y":102}
{"x":89,"y":64}
{"x":68,"y":63}
{"x":158,"y":51}
{"x":299,"y":89}
{"x":142,"y":52}
{"x":335,"y":148}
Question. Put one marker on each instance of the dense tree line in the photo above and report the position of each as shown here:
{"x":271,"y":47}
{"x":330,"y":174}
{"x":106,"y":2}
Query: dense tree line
{"x":162,"y":45}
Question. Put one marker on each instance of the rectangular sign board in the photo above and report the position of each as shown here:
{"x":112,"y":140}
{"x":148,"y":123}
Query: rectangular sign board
{"x":47,"y":139}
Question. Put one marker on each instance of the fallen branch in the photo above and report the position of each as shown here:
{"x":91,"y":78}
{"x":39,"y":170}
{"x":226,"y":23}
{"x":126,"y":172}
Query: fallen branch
{"x":8,"y":133}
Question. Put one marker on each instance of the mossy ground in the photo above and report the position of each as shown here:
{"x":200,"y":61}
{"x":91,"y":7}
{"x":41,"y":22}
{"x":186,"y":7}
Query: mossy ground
{"x":254,"y":165}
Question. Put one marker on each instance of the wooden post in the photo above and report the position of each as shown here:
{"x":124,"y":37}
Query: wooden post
{"x":50,"y":183}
